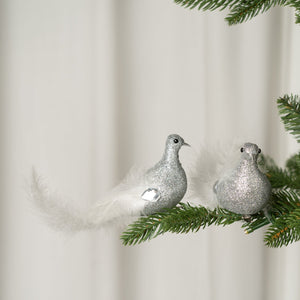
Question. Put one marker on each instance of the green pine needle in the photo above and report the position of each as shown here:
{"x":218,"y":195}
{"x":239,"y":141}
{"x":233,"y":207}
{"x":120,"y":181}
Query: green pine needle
{"x":293,"y":165}
{"x":206,"y":4}
{"x":240,"y":10}
{"x":289,"y":109}
{"x":286,"y":227}
{"x":284,"y":215}
{"x":297,"y":16}
{"x":282,"y":178}
{"x":181,"y":219}
{"x":281,"y":235}
{"x":293,"y":169}
{"x":295,"y":4}
{"x":246,"y":10}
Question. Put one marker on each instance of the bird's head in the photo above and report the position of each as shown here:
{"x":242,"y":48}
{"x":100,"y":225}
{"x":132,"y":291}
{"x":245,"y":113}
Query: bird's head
{"x":250,"y":151}
{"x":175,"y":142}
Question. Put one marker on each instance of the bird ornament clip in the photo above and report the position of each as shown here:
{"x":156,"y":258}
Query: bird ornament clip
{"x":238,"y":185}
{"x":140,"y":193}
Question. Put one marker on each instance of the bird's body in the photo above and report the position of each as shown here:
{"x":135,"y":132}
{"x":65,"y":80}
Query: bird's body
{"x":244,"y":189}
{"x":169,"y":178}
{"x":141,"y":193}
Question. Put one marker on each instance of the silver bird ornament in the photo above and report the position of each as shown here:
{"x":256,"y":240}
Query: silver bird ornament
{"x":140,"y":193}
{"x":167,"y":178}
{"x":244,"y":189}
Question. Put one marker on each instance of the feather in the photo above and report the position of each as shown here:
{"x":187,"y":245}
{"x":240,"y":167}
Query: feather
{"x":57,"y":213}
{"x":208,"y":166}
{"x":118,"y":208}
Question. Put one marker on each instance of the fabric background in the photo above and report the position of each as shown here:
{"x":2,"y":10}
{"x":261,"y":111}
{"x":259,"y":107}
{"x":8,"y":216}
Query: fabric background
{"x":91,"y":87}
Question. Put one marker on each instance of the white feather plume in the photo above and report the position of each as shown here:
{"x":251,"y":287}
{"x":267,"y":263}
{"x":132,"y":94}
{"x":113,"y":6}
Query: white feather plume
{"x":118,"y":207}
{"x":209,"y":165}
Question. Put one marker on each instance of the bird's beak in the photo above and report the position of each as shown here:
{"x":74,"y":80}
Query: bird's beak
{"x":186,"y":144}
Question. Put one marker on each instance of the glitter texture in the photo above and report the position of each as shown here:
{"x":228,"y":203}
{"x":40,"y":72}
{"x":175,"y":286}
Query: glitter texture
{"x":245,"y":189}
{"x":168,"y":177}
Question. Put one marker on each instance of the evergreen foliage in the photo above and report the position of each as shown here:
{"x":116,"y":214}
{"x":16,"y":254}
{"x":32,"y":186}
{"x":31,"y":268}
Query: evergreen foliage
{"x":246,"y":10}
{"x":289,"y":109}
{"x":297,"y":16}
{"x":284,"y":206}
{"x":285,"y":229}
{"x":240,"y":10}
{"x":181,"y":219}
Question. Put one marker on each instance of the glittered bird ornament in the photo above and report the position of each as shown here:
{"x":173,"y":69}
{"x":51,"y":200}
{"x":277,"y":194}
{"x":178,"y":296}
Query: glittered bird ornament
{"x":244,"y":189}
{"x":140,"y":193}
{"x":223,"y":178}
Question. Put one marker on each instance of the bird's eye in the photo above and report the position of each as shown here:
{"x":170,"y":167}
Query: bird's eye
{"x":242,"y":149}
{"x":176,"y":141}
{"x":259,"y":150}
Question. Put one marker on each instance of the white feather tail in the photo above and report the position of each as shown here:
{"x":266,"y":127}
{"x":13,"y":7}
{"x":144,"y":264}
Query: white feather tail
{"x":119,"y":208}
{"x":208,"y":167}
{"x":57,"y":213}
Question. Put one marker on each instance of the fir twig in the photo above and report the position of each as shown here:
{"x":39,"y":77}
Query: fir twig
{"x":181,"y":219}
{"x":295,"y":4}
{"x":240,"y":10}
{"x":245,"y":10}
{"x":284,"y":214}
{"x":206,"y":4}
{"x":286,"y":228}
{"x":282,"y":178}
{"x":289,"y":109}
{"x":293,"y":166}
{"x":297,"y":16}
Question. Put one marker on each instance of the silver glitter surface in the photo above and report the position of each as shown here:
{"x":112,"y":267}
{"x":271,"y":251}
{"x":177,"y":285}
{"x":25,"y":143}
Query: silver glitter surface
{"x":244,"y":189}
{"x":168,"y":177}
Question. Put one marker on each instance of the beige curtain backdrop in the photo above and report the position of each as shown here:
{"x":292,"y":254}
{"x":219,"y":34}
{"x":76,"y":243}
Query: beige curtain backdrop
{"x":90,"y":88}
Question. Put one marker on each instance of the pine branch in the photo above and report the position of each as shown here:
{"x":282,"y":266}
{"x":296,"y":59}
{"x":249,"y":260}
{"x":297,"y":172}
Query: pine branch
{"x":246,"y":10}
{"x":284,"y":213}
{"x":240,"y":10}
{"x":293,"y":165}
{"x":295,"y":4}
{"x":286,"y":227}
{"x":281,"y":234}
{"x":181,"y":219}
{"x":293,"y":168}
{"x":297,"y":16}
{"x":206,"y":4}
{"x":281,"y":178}
{"x":186,"y":218}
{"x":289,"y":109}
